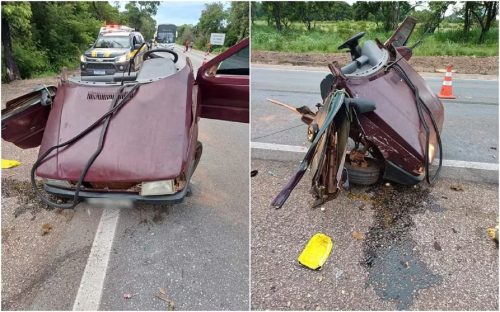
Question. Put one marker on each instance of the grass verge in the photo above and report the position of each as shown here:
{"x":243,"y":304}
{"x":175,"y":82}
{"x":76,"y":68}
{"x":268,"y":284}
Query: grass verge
{"x":327,"y":36}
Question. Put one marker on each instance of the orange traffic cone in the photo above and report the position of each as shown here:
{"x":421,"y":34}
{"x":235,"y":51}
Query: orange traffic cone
{"x":447,"y":88}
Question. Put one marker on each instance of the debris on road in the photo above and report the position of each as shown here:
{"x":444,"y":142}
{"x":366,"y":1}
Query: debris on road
{"x":316,"y":252}
{"x":359,"y":196}
{"x":457,"y":187}
{"x":358,"y":235}
{"x":162,"y":295}
{"x":338,"y":273}
{"x":253,"y":173}
{"x":46,"y":228}
{"x":493,"y":233}
{"x":7,"y":163}
{"x":437,"y":246}
{"x":129,"y":296}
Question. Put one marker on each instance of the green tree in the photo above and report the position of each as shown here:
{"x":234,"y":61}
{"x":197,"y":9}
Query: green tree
{"x":485,"y":13}
{"x":15,"y":18}
{"x":237,"y":27}
{"x":438,"y":10}
{"x":104,"y":11}
{"x":64,"y":30}
{"x":139,"y":14}
{"x":306,"y":12}
{"x":212,"y":20}
{"x":185,"y":33}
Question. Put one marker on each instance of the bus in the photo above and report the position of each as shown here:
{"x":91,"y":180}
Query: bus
{"x":165,"y":36}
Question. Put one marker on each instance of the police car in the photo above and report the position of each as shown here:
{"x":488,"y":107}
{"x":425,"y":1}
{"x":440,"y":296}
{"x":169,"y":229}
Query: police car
{"x":112,"y":51}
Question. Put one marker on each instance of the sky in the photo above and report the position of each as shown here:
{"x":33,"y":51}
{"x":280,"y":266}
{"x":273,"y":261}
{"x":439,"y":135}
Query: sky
{"x":179,"y":12}
{"x":188,"y":12}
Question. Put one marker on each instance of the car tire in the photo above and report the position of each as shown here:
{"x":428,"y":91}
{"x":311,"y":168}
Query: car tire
{"x":363,"y":176}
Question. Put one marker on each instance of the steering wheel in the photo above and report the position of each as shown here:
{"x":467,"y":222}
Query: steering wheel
{"x":149,"y":54}
{"x":352,"y":43}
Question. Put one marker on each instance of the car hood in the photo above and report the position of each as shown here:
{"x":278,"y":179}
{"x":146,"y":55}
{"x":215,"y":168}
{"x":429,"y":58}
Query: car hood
{"x":150,"y":138}
{"x":102,"y":52}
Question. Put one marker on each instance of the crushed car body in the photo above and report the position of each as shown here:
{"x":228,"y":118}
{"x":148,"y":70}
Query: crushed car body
{"x":385,"y":107}
{"x":135,"y":138}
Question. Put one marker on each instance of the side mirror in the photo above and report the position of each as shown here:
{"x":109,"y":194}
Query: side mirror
{"x":137,"y":46}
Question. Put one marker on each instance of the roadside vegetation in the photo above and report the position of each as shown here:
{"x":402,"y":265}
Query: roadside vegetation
{"x":39,"y":38}
{"x":233,"y":21}
{"x":471,"y":30}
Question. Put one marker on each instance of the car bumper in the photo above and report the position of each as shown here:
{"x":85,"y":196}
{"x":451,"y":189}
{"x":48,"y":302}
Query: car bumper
{"x":168,"y":46}
{"x":134,"y":197}
{"x":102,"y":69}
{"x":397,"y":174}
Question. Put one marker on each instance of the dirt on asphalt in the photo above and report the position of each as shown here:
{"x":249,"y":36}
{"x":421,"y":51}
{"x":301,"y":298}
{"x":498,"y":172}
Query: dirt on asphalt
{"x":19,"y":87}
{"x":429,"y":64}
{"x":31,"y":230}
{"x":422,"y":248}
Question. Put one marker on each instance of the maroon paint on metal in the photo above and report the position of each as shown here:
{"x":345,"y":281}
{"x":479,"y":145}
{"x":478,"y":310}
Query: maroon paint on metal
{"x":152,"y":137}
{"x":25,"y":128}
{"x":224,"y":97}
{"x":394,"y":127}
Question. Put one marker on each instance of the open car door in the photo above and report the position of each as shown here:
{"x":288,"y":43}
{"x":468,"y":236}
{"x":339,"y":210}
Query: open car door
{"x":223,"y":91}
{"x":25,"y":117}
{"x":401,"y":35}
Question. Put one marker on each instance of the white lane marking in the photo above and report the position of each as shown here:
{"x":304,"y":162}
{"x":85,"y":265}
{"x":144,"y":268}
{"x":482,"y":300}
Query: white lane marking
{"x":278,"y":147}
{"x":470,"y":165}
{"x":446,"y":162}
{"x":89,"y":294}
{"x":436,"y":77}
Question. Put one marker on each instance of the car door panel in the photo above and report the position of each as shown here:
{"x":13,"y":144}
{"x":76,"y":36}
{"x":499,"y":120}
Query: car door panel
{"x":25,"y":117}
{"x":401,"y":35}
{"x":224,"y":95}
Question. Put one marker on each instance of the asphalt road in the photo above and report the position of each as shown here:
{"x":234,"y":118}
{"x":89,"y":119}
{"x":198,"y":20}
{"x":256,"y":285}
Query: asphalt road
{"x":422,"y":248}
{"x":196,"y":251}
{"x":471,"y":121}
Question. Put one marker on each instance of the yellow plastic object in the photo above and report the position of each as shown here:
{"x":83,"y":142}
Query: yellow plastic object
{"x":493,"y":233}
{"x":316,"y":252}
{"x":6,"y":163}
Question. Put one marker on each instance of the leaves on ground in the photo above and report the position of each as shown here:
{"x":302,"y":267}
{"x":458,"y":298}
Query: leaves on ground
{"x":358,"y":235}
{"x":457,"y":187}
{"x":46,"y":228}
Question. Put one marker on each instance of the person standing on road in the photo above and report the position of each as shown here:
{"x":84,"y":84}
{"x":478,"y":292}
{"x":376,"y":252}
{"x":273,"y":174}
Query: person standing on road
{"x":209,"y":48}
{"x":186,"y":46}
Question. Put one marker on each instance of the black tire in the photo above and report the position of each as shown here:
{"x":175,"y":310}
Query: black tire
{"x":363,"y":176}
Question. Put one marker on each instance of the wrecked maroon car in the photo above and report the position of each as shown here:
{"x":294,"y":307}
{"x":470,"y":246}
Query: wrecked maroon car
{"x":132,"y":137}
{"x":379,"y":119}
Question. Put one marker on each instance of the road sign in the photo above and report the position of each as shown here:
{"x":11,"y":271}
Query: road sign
{"x":217,"y":38}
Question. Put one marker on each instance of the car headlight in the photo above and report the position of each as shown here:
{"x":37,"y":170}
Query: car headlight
{"x":83,"y":58}
{"x":164,"y":187}
{"x":121,"y":58}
